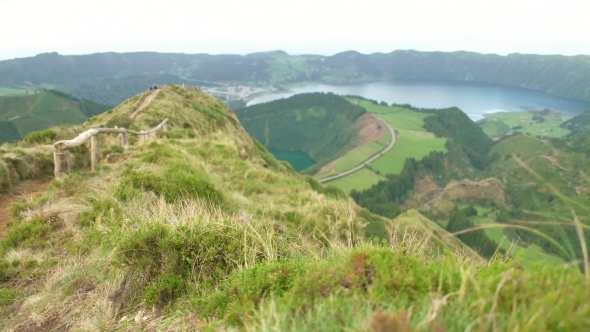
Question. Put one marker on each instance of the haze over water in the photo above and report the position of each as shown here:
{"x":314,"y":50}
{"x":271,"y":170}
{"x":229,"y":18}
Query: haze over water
{"x":472,"y":98}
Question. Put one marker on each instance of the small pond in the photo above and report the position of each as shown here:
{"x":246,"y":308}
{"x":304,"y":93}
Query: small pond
{"x":298,"y":159}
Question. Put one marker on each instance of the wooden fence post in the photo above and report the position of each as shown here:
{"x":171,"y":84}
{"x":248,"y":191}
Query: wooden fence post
{"x":61,"y":163}
{"x":124,"y":141}
{"x":94,"y":151}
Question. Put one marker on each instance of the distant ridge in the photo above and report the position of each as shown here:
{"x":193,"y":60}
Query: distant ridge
{"x":110,"y":78}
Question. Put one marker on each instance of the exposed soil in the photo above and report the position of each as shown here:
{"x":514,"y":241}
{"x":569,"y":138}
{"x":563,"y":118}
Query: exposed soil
{"x":490,"y":189}
{"x":24,"y":190}
{"x":370,"y":129}
{"x":146,"y":101}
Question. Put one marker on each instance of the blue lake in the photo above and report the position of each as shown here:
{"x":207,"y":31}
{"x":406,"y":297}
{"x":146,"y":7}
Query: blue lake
{"x":472,"y":98}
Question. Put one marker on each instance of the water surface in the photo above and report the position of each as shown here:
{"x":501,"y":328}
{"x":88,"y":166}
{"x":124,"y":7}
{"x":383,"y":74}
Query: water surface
{"x":298,"y":159}
{"x":472,"y":98}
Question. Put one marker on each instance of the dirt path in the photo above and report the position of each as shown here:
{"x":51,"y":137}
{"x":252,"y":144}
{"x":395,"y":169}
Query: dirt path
{"x":23,"y":190}
{"x":146,"y":101}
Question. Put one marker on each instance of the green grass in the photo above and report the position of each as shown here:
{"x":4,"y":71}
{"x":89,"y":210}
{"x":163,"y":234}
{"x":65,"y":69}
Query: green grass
{"x":530,"y":255}
{"x":213,"y":233}
{"x":501,"y":123}
{"x":12,"y":91}
{"x":360,"y":180}
{"x":413,"y":140}
{"x":357,"y":156}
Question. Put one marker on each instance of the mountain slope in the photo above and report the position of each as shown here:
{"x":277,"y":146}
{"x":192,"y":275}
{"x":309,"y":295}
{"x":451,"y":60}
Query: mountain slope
{"x":203,"y":229}
{"x":109,"y":78}
{"x":43,"y":110}
{"x":321,"y":125}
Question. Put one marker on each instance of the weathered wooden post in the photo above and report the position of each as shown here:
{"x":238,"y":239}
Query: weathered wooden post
{"x":94,"y":151}
{"x":165,"y":127}
{"x":124,"y":140}
{"x":61,"y":162}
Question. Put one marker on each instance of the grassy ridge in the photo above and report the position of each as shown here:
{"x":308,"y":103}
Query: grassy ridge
{"x":204,"y":229}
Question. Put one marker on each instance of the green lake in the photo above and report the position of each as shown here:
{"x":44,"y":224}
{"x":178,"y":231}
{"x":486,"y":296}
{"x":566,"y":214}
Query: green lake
{"x":298,"y":159}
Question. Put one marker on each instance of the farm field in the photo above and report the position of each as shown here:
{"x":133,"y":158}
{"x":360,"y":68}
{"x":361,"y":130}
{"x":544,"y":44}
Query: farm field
{"x":363,"y":179}
{"x":500,"y":124}
{"x":413,"y":141}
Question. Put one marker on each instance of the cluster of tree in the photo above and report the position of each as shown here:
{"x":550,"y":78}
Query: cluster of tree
{"x":321,"y":125}
{"x":386,"y":197}
{"x":477,"y":239}
{"x":456,"y":125}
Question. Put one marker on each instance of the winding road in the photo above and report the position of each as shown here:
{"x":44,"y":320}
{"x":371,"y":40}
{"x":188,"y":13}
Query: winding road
{"x":366,"y":162}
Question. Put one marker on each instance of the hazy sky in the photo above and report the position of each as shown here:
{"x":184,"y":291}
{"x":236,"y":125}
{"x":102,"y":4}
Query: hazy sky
{"x":29,"y":27}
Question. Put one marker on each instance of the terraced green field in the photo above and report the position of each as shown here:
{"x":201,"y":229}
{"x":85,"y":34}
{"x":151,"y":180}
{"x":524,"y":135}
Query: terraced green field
{"x":413,"y":141}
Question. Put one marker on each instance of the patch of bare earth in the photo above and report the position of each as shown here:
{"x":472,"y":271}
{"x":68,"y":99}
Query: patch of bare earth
{"x":41,"y":323}
{"x":24,"y":190}
{"x":146,"y":101}
{"x":425,"y":189}
{"x":370,"y":130}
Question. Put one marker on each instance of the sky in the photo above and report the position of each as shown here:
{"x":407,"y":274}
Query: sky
{"x":30,"y":27}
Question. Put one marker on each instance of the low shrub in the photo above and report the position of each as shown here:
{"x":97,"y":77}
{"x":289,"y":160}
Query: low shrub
{"x":175,"y":183}
{"x":31,"y":234}
{"x":119,"y":121}
{"x":40,"y":137}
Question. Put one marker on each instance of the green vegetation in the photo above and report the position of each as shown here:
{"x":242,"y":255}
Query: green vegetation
{"x":321,"y":125}
{"x":544,"y":123}
{"x":203,"y":229}
{"x":110,"y":78}
{"x":412,"y":141}
{"x":42,"y":110}
{"x":360,"y":180}
{"x":578,"y":124}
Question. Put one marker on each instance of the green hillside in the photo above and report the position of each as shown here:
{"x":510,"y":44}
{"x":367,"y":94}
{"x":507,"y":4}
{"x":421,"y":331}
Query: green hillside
{"x":20,"y":115}
{"x":545,"y":123}
{"x":202,"y":229}
{"x":109,"y":78}
{"x":578,"y":124}
{"x":321,"y":125}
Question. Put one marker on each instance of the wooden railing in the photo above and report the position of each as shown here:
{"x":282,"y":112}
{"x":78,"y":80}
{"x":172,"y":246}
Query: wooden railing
{"x":60,"y":153}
